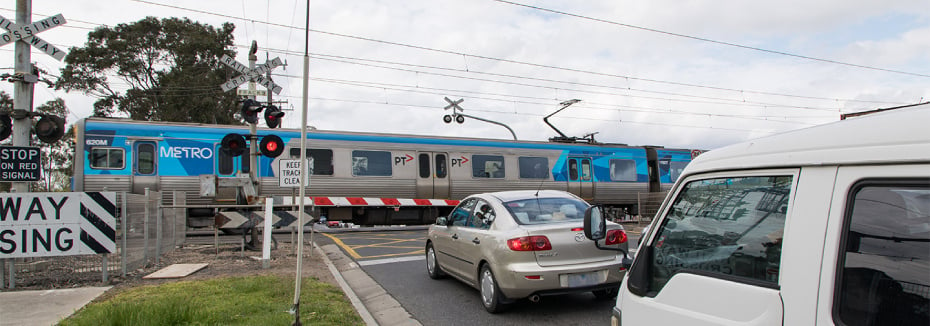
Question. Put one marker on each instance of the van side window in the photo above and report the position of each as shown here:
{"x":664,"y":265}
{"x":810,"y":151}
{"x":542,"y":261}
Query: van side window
{"x":724,"y":227}
{"x":886,"y":257}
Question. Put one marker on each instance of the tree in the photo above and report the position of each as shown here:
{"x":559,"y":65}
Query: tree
{"x":172,"y":67}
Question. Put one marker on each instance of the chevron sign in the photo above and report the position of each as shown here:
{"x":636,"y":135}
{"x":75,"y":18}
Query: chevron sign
{"x":57,"y":224}
{"x":247,"y":219}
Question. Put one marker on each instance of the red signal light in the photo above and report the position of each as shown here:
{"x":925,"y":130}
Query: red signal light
{"x":233,"y":144}
{"x":271,"y":146}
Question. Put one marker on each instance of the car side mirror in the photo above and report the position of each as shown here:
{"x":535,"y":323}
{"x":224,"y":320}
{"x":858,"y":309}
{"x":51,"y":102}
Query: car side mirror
{"x":442,"y":220}
{"x":594,"y":226}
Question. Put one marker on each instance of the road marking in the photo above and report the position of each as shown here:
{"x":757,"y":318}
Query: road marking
{"x":390,"y":260}
{"x":344,"y":246}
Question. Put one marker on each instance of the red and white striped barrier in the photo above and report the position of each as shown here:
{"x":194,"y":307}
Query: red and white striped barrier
{"x":369,"y":201}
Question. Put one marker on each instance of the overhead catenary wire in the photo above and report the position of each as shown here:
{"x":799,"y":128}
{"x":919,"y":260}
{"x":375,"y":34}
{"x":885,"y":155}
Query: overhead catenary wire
{"x":747,"y":47}
{"x":456,"y":53}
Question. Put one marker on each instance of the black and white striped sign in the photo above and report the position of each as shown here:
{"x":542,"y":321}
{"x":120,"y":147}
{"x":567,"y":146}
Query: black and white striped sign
{"x":279,"y":219}
{"x":46,"y":224}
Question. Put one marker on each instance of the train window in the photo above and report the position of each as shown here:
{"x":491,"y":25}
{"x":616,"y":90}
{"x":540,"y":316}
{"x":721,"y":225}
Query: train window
{"x":441,"y":166}
{"x":488,"y":166}
{"x":106,"y":158}
{"x":424,"y":165}
{"x":623,"y":170}
{"x":145,"y":160}
{"x":321,"y":160}
{"x":585,"y":169}
{"x":534,"y":167}
{"x":371,"y":163}
{"x":675,"y":169}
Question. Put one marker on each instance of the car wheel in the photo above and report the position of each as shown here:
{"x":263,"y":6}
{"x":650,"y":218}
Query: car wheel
{"x":490,"y":293}
{"x":605,"y":294}
{"x":432,"y":265}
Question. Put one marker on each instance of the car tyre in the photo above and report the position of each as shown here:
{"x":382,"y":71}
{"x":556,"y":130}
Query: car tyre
{"x":432,"y":265}
{"x":605,"y":293}
{"x":491,"y":296}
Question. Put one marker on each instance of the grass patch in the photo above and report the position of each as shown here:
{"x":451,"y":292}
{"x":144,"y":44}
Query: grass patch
{"x":251,"y":300}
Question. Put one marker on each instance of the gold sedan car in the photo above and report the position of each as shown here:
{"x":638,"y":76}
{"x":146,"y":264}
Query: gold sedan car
{"x":524,"y":244}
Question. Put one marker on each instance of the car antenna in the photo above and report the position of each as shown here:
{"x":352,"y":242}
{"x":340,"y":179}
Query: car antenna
{"x":541,"y":181}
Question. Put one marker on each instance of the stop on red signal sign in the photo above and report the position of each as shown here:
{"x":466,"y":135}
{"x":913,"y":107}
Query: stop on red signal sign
{"x":271,"y":146}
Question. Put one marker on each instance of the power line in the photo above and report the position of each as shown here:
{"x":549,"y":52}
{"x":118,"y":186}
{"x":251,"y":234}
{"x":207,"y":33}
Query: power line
{"x":710,"y":40}
{"x":487,"y":57}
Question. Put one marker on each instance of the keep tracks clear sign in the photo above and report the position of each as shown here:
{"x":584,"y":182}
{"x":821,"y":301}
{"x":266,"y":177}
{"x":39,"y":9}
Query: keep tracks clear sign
{"x":57,"y":224}
{"x":289,"y":176}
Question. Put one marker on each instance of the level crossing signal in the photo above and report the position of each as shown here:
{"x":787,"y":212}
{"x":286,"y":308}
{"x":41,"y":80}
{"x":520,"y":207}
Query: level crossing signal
{"x":273,"y":116}
{"x":233,"y":144}
{"x":6,"y":126}
{"x":271,"y":146}
{"x":250,"y":110}
{"x":49,"y":128}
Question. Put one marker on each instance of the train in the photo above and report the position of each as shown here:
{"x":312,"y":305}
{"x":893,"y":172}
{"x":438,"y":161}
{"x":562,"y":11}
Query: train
{"x":414,"y":178}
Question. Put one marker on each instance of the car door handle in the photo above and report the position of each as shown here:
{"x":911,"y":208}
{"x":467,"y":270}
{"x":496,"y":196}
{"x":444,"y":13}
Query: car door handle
{"x":476,"y":241}
{"x":455,"y":236}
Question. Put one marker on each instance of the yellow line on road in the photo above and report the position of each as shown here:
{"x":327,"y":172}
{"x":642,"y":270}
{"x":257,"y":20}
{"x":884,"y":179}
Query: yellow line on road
{"x":344,"y":246}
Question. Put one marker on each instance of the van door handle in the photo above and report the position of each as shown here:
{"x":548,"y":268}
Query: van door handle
{"x":455,"y":236}
{"x":476,"y":241}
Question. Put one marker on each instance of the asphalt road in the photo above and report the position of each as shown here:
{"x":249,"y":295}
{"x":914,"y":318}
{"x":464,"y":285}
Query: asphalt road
{"x":395,"y":260}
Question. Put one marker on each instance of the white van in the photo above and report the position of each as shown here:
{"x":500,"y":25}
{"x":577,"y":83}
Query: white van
{"x":820,"y":226}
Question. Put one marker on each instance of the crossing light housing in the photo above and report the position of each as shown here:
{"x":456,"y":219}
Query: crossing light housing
{"x":271,"y":146}
{"x":273,"y":116}
{"x":6,"y":126}
{"x":233,"y":144}
{"x":50,"y":128}
{"x":250,"y":109}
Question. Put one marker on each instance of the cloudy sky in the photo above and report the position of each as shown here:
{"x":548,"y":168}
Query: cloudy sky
{"x":682,"y":74}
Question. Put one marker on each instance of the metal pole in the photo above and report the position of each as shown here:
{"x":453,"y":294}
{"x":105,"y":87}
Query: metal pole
{"x":22,"y":89}
{"x":124,"y":220}
{"x":159,"y":215}
{"x":12,"y":273}
{"x":303,"y":169}
{"x":105,"y":268}
{"x":489,"y":121}
{"x":145,"y":229}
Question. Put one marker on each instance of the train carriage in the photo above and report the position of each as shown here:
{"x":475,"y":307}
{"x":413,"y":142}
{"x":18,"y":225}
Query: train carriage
{"x":116,"y":154}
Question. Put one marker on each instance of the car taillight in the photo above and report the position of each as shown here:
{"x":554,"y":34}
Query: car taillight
{"x":531,"y":243}
{"x":616,"y":236}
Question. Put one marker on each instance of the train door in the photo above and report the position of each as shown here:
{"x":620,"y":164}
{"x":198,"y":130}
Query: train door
{"x":580,"y":180}
{"x":432,"y":175}
{"x":144,"y":166}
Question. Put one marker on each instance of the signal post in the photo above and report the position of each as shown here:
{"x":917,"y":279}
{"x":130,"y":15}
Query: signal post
{"x":270,"y":145}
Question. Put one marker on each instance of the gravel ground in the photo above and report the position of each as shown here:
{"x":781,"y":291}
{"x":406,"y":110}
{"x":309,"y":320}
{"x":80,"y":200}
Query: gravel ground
{"x":57,"y":272}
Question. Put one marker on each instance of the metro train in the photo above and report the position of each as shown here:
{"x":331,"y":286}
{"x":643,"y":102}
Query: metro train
{"x":117,"y":154}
